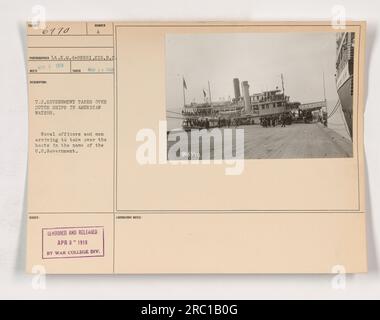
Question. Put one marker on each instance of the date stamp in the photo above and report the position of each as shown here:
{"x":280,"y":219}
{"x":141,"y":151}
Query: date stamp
{"x":72,"y":242}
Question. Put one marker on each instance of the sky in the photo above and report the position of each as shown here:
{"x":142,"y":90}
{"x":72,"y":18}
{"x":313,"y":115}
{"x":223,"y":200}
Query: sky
{"x":259,"y":58}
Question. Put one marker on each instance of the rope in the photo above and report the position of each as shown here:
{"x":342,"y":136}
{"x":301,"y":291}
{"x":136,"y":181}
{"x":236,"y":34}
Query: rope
{"x":170,"y":117}
{"x":174,"y":112}
{"x":334,"y":110}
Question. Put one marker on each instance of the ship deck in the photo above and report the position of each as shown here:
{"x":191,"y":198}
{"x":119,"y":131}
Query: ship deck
{"x":298,"y":140}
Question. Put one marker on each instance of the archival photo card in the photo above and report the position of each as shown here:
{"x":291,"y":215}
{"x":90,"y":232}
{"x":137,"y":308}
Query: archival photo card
{"x":262,"y":123}
{"x":252,"y":95}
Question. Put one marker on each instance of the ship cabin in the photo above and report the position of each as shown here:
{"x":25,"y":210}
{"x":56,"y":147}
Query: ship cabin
{"x":272,"y":102}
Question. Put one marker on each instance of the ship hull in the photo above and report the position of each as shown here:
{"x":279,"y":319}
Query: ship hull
{"x":345,"y":97}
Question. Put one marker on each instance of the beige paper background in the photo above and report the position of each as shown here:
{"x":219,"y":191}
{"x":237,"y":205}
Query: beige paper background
{"x":237,"y":224}
{"x":320,"y":184}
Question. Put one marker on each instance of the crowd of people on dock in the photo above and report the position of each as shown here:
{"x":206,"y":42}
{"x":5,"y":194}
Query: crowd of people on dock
{"x":275,"y":120}
{"x":203,"y":119}
{"x":196,"y":123}
{"x":207,"y":123}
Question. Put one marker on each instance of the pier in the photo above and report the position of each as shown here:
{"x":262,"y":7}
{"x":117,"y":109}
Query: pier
{"x":297,"y":141}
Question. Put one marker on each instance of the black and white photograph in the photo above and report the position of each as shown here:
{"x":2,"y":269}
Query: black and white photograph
{"x":190,"y":157}
{"x":289,"y":94}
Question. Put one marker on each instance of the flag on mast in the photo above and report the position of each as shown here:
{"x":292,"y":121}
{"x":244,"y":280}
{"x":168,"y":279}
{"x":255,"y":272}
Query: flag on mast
{"x":184,"y":86}
{"x":282,"y":82}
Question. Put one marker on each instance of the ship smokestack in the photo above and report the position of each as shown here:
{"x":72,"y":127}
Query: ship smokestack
{"x":245,"y":89}
{"x":237,"y":88}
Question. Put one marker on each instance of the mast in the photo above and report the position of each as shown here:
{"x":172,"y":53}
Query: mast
{"x":209,"y":92}
{"x":324,"y":97}
{"x":283,"y":91}
{"x":324,"y":91}
{"x":324,"y":86}
{"x":282,"y":82}
{"x":183,"y":89}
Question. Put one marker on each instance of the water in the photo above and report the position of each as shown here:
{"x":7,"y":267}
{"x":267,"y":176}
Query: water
{"x":171,"y":117}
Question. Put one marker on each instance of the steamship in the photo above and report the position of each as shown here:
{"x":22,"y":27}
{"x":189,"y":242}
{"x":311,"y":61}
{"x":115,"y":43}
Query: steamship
{"x":264,"y":107}
{"x":344,"y":73}
{"x":243,"y":109}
